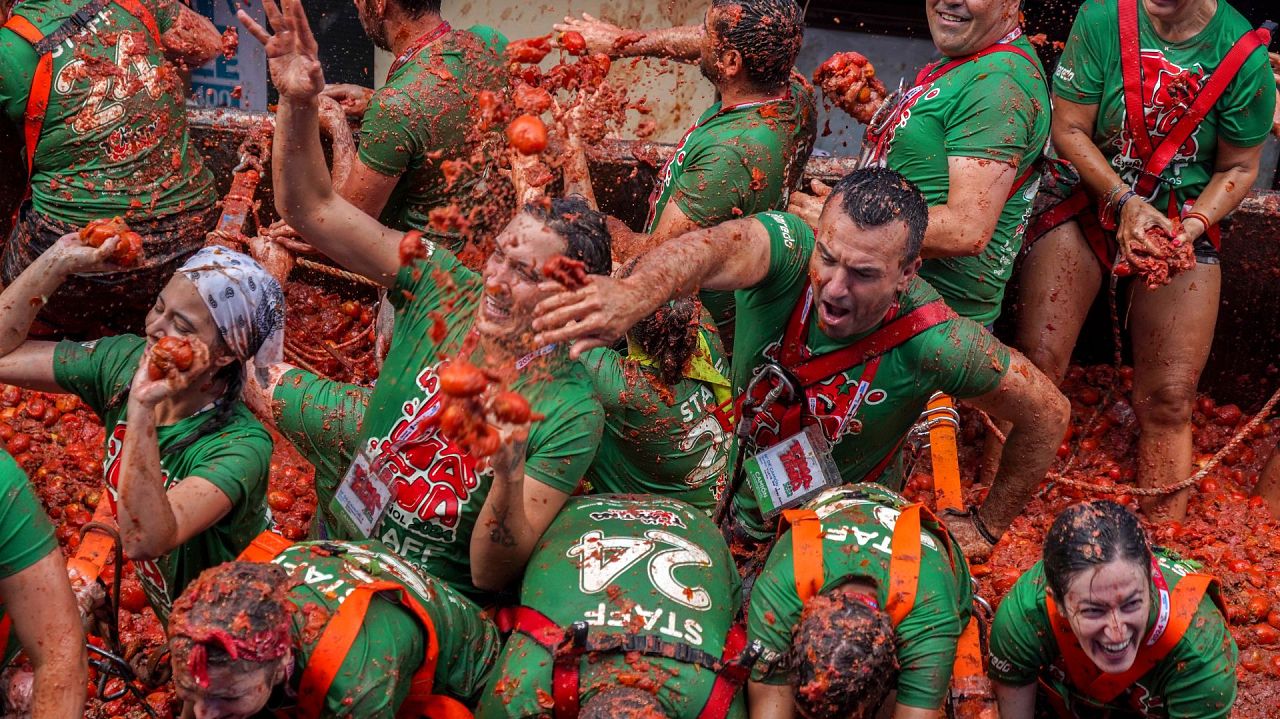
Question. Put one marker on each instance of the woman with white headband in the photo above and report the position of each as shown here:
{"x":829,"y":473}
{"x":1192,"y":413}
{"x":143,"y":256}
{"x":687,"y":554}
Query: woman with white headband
{"x":186,"y":463}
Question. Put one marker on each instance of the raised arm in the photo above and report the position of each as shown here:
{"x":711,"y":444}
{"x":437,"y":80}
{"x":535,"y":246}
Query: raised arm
{"x":45,"y":617}
{"x":304,"y":189}
{"x":683,"y":43}
{"x":728,"y":256}
{"x":192,"y":40}
{"x":963,"y":225}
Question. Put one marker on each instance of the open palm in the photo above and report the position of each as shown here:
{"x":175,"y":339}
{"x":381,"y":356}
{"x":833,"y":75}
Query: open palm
{"x":292,"y":53}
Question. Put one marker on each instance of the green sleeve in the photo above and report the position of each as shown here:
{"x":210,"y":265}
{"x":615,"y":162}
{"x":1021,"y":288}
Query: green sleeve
{"x":927,"y":640}
{"x":26,"y":534}
{"x":16,"y":62}
{"x":994,"y":117}
{"x":790,"y":245}
{"x":563,"y":444}
{"x":1201,"y":675}
{"x":773,"y":613}
{"x":1085,"y":61}
{"x":236,"y":460}
{"x":491,"y":37}
{"x":373,"y":680}
{"x":967,"y":360}
{"x":321,"y":418}
{"x":605,"y":368}
{"x":1019,"y":642}
{"x":97,"y":371}
{"x":165,"y":13}
{"x":1245,"y":112}
{"x":388,"y":138}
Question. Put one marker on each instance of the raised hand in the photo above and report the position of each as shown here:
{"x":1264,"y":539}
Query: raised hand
{"x":292,"y":53}
{"x":601,"y":36}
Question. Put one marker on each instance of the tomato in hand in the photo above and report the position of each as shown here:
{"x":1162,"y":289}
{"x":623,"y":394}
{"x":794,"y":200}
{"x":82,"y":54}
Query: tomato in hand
{"x":573,"y":43}
{"x":170,"y":353}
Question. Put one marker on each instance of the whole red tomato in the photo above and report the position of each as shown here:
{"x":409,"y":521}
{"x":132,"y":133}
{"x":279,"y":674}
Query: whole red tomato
{"x":527,"y":135}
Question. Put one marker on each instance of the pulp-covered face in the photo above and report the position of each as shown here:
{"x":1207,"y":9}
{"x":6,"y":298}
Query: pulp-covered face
{"x":370,"y":13}
{"x":180,"y":312}
{"x":512,"y":275}
{"x":1108,"y":607}
{"x":232,"y":693}
{"x":963,"y":27}
{"x":856,"y":272}
{"x":712,"y":47}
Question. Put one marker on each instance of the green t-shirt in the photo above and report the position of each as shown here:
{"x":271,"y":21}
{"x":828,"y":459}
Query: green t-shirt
{"x":115,"y":133}
{"x":1172,"y":74}
{"x":735,"y":162}
{"x":374,"y":677}
{"x":857,"y":524}
{"x":657,"y":439}
{"x":958,"y":357}
{"x":26,"y":534}
{"x":421,"y":118}
{"x":625,"y":564}
{"x":994,"y":108}
{"x":236,"y":459}
{"x":438,"y":489}
{"x":1196,"y":679}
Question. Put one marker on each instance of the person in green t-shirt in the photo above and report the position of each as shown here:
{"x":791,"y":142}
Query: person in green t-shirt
{"x":646,"y":578}
{"x":969,"y":133}
{"x":745,"y":154}
{"x":246,"y":637}
{"x":667,"y":423}
{"x":1102,"y":626}
{"x":113,"y":142}
{"x":442,"y":493}
{"x":37,"y":606}
{"x":186,"y":463}
{"x":1182,"y":48}
{"x":805,"y":645}
{"x":863,"y":273}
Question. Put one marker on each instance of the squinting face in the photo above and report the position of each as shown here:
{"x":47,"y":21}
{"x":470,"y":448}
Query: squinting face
{"x":963,"y":27}
{"x":512,"y":275}
{"x":856,"y":273}
{"x":231,"y":694}
{"x":179,"y":312}
{"x":1108,"y":607}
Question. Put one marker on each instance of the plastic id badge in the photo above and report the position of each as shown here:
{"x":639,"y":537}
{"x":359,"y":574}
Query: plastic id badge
{"x":363,"y":496}
{"x":792,"y":471}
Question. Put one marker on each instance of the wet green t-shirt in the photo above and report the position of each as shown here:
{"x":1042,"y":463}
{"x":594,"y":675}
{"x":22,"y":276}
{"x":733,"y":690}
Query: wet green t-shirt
{"x":1172,"y":75}
{"x":423,"y":116}
{"x":26,"y":534}
{"x":958,"y":357}
{"x":625,"y":564}
{"x":1196,"y":679}
{"x":115,"y":133}
{"x":735,"y":162}
{"x":657,"y":439}
{"x":236,"y":459}
{"x":994,"y":108}
{"x":374,"y":677}
{"x":857,"y":525}
{"x":438,"y":489}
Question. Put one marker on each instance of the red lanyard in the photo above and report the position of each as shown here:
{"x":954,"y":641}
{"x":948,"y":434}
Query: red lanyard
{"x":418,"y":46}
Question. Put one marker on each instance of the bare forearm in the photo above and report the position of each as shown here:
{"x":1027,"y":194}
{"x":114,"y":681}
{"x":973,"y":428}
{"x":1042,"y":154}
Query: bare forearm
{"x":1028,"y":451}
{"x":147,"y":524}
{"x":21,"y":301}
{"x":577,"y":174}
{"x":1225,"y":191}
{"x":344,"y":151}
{"x":683,"y":43}
{"x":1075,"y":145}
{"x":504,"y":538}
{"x":60,"y":678}
{"x":304,"y":187}
{"x":953,"y":234}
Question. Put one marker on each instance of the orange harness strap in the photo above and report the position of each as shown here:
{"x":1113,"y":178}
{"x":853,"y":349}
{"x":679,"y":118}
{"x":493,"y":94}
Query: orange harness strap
{"x":326,"y":660}
{"x":1184,"y":601}
{"x":904,"y":559}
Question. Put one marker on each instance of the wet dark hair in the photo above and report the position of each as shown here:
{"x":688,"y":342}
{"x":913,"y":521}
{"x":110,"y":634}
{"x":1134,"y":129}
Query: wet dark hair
{"x":417,"y":8}
{"x":622,"y":703}
{"x":669,"y":335}
{"x":583,"y":229}
{"x":876,"y":196}
{"x":768,"y":33}
{"x":245,"y":601}
{"x":1091,"y":534}
{"x":844,"y":657}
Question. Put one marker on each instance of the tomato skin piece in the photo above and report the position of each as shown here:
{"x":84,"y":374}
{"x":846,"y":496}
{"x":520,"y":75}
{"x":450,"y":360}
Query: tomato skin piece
{"x":573,"y":43}
{"x":511,"y":407}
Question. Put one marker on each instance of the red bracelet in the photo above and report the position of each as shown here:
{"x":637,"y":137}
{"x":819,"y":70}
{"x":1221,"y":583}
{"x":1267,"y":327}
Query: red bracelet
{"x":1199,"y":216}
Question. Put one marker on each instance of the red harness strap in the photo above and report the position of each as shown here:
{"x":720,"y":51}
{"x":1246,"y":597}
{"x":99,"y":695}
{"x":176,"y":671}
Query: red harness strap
{"x":42,"y":79}
{"x":6,"y":625}
{"x":341,"y":632}
{"x":567,"y":647}
{"x":1085,"y":676}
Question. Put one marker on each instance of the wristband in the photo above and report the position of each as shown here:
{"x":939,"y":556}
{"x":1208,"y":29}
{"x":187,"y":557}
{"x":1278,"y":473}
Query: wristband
{"x":1111,"y":194}
{"x":1199,"y":216}
{"x":1120,"y":203}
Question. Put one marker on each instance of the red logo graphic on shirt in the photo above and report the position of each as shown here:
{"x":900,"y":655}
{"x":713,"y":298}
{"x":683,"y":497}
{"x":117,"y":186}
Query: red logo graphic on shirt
{"x":430,"y":476}
{"x":153,"y":581}
{"x":1167,"y":93}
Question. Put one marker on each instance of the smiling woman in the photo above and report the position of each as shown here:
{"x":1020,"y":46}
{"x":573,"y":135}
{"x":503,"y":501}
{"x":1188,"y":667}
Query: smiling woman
{"x":1106,"y":624}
